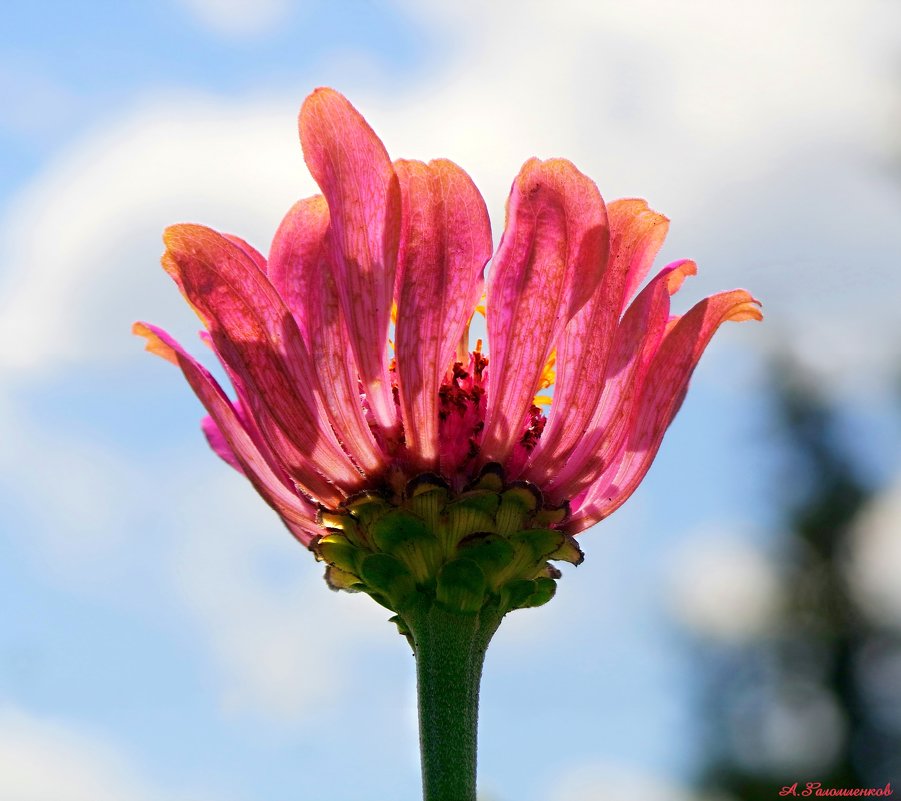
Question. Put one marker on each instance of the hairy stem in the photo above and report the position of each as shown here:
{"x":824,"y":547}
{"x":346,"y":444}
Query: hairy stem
{"x":450,"y":651}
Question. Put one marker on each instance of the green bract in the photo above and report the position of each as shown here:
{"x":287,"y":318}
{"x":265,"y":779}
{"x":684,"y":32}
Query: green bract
{"x":488,"y":547}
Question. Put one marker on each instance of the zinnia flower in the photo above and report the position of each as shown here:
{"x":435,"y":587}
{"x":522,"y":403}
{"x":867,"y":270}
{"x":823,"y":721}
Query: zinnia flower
{"x":423,"y":465}
{"x":423,"y":471}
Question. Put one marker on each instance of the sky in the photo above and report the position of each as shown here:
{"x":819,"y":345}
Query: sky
{"x":161,"y":636}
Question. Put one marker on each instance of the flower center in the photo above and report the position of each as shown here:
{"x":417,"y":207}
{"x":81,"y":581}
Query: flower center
{"x":487,"y":546}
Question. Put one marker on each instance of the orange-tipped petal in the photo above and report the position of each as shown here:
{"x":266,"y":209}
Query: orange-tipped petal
{"x":550,"y":260}
{"x":445,"y":243}
{"x":352,"y":168}
{"x":661,"y":396}
{"x":294,"y":509}
{"x":255,"y":333}
{"x":636,"y":235}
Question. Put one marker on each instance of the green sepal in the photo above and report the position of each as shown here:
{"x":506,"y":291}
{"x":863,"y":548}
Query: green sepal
{"x":491,"y":477}
{"x":428,"y":505}
{"x":338,"y":579}
{"x":471,"y":512}
{"x":461,"y":586}
{"x":552,"y":515}
{"x":389,"y":577}
{"x":424,"y":482}
{"x":545,"y":588}
{"x":541,"y":542}
{"x":569,"y":551}
{"x":398,"y":528}
{"x":491,"y":552}
{"x":406,"y":536}
{"x":516,"y":593}
{"x":367,"y":507}
{"x":336,"y":550}
{"x":518,"y":503}
{"x":403,"y":629}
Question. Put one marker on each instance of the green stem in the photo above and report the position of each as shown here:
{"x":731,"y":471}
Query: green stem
{"x":450,"y":651}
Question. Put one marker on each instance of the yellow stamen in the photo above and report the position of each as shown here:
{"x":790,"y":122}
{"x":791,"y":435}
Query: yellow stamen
{"x":548,"y":375}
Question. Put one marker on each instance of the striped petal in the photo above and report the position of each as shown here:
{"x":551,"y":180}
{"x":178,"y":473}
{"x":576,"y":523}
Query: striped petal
{"x":661,"y":397}
{"x":253,"y":331}
{"x":352,"y":168}
{"x":641,"y":231}
{"x":216,"y":440}
{"x":636,"y":235}
{"x":300,"y":269}
{"x":548,"y":265}
{"x":297,"y":512}
{"x":444,"y":245}
{"x":637,"y":339}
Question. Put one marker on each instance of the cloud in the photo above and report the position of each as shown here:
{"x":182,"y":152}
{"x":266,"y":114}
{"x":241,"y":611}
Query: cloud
{"x":46,"y":759}
{"x":280,"y":639}
{"x":875,"y":558}
{"x":82,"y":242}
{"x":757,"y":130}
{"x":594,"y":782}
{"x":723,"y":586}
{"x":238,"y":19}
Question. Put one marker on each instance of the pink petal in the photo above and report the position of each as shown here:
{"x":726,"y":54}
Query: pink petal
{"x":636,"y":341}
{"x":640,"y":231}
{"x":662,"y":395}
{"x":257,"y":336}
{"x":218,"y":443}
{"x":548,"y":265}
{"x":249,"y":249}
{"x":444,"y":245}
{"x":352,"y":168}
{"x":297,"y":512}
{"x":300,"y":269}
{"x":636,"y":234}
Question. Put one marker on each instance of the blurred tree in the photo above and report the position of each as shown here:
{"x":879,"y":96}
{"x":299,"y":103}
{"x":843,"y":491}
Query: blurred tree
{"x":818,"y":698}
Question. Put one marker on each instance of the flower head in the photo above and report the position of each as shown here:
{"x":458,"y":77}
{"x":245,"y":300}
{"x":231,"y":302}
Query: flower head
{"x":423,"y":465}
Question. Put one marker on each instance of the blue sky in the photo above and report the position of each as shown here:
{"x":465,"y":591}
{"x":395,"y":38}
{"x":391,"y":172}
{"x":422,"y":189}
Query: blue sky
{"x":160,"y":635}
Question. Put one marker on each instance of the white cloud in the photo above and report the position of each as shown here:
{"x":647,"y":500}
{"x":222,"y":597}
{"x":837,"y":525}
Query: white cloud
{"x":238,"y":19}
{"x":82,"y":242}
{"x":759,"y":130}
{"x":875,"y":558}
{"x":600,"y":781}
{"x":276,"y":637}
{"x":43,"y":759}
{"x":280,"y":639}
{"x":723,"y":587}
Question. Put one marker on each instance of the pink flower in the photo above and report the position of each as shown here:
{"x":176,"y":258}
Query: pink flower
{"x":323,"y":415}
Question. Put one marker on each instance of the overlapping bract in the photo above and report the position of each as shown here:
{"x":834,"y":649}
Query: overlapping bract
{"x":323,"y":412}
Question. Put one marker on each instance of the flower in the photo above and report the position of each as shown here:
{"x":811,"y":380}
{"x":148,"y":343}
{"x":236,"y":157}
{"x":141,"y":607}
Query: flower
{"x":438,"y":470}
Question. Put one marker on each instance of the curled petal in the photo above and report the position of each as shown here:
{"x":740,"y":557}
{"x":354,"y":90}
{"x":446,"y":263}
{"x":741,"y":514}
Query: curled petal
{"x":636,"y":235}
{"x":300,"y":268}
{"x":352,"y":168}
{"x":445,"y":243}
{"x":639,"y":231}
{"x":297,"y":512}
{"x":548,"y":265}
{"x":256,"y":335}
{"x":636,"y":340}
{"x":216,"y":440}
{"x":662,"y":395}
{"x":249,"y":249}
